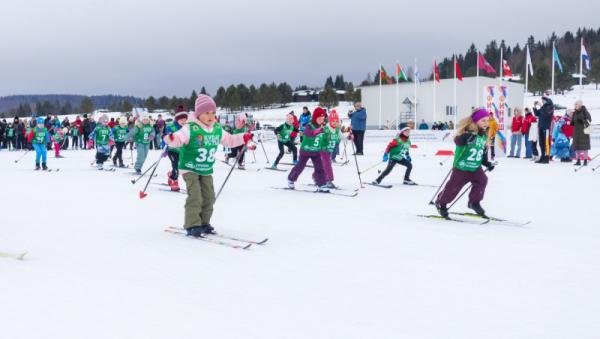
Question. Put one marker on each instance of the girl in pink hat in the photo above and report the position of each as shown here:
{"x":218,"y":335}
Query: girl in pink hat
{"x":198,"y":141}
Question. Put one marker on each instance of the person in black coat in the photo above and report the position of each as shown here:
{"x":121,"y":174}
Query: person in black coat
{"x":544,"y":114}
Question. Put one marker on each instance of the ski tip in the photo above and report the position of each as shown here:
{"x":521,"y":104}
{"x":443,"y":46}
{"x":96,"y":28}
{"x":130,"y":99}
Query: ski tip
{"x":247,"y":247}
{"x":21,"y":256}
{"x":143,"y":194}
{"x":262,"y":242}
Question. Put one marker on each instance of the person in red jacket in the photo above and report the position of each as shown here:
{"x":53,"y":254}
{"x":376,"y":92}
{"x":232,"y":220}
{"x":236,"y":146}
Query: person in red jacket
{"x":296,"y":125}
{"x":516,"y":135}
{"x":529,"y":129}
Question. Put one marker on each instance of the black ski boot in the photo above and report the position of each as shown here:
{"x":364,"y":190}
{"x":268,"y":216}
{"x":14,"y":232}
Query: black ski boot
{"x":199,"y":231}
{"x":37,"y":167}
{"x":578,"y":163}
{"x":44,"y":167}
{"x":443,"y":211}
{"x":585,"y":162}
{"x":475,"y":206}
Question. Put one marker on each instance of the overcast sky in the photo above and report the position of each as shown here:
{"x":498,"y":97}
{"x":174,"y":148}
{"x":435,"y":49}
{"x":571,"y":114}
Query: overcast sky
{"x":135,"y":47}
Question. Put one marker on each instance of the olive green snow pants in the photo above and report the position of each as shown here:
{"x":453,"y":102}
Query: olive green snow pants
{"x":200,"y":199}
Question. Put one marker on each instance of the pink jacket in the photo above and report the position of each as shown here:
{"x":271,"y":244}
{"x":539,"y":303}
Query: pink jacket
{"x":182,"y":137}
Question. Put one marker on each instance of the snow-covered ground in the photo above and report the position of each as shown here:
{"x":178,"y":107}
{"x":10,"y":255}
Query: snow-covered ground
{"x":100,"y":266}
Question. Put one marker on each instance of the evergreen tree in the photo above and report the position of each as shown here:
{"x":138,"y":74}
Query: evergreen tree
{"x":203,"y":91}
{"x":219,"y":98}
{"x":328,"y":97}
{"x":192,"y":101}
{"x":164,"y":102}
{"x":150,"y":103}
{"x":285,"y":93}
{"x":86,"y":106}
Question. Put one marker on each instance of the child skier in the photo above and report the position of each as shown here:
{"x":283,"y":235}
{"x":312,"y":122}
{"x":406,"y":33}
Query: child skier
{"x":310,"y":148}
{"x":74,"y":133}
{"x":240,"y":128}
{"x":58,"y":138}
{"x":397,"y":152}
{"x":284,"y":138}
{"x":470,"y":155}
{"x":39,"y":137}
{"x":120,"y":133}
{"x":331,"y":140}
{"x":10,"y":137}
{"x":173,"y":152}
{"x":198,"y":141}
{"x":143,"y":134}
{"x":102,"y":137}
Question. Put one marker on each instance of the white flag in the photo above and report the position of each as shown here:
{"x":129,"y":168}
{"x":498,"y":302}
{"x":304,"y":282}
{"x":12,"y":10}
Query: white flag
{"x":529,"y":65}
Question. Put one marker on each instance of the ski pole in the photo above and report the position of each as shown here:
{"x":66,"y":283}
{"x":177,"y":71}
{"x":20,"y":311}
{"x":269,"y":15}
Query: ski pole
{"x":592,"y":159}
{"x":370,"y":168}
{"x":155,"y":164}
{"x":237,"y":159}
{"x":263,"y":147}
{"x":595,"y":168}
{"x":143,"y":193}
{"x":23,"y":156}
{"x":431,"y":202}
{"x":357,"y":169}
{"x":465,"y":191}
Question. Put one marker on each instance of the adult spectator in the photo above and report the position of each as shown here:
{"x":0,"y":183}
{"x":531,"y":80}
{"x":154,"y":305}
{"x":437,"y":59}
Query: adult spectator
{"x":358,"y":121}
{"x":516,"y":136}
{"x":423,"y":125}
{"x":581,"y":122}
{"x":19,"y":133}
{"x":304,"y":119}
{"x":86,"y":130}
{"x":3,"y":126}
{"x":159,"y":131}
{"x":528,"y":121}
{"x":544,"y":114}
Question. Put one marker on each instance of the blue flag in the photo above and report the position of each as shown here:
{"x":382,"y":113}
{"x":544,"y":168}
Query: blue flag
{"x":557,"y":59}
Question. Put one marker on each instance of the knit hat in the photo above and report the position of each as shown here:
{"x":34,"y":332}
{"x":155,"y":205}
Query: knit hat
{"x":39,"y":121}
{"x":204,"y":104}
{"x":403,"y":129}
{"x":103,"y":119}
{"x":479,"y":114}
{"x":122,"y":120}
{"x":334,"y":117}
{"x":317,"y":113}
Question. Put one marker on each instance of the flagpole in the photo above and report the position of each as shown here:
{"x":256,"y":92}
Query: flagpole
{"x":380,"y":65}
{"x":553,"y":62}
{"x":397,"y":96}
{"x":477,"y":82}
{"x":415,"y":80}
{"x":526,"y":76}
{"x":434,"y":89}
{"x":581,"y":69}
{"x":455,"y":109}
{"x":501,"y":70}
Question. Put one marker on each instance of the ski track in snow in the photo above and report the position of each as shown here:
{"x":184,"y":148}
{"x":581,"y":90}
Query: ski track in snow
{"x":101,"y":266}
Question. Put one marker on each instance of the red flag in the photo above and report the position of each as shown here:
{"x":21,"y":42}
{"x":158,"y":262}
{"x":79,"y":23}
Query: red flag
{"x":436,"y":72}
{"x":457,"y":70}
{"x":506,"y":67}
{"x":485,"y":65}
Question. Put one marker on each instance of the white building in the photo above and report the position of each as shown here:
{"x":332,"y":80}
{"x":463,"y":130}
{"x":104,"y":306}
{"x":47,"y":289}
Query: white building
{"x":397,"y":101}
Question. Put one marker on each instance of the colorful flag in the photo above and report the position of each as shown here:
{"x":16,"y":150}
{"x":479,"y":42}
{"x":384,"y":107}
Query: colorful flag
{"x":529,"y":64}
{"x":485,"y":65}
{"x":585,"y":57}
{"x":556,"y":58}
{"x":383,"y":75}
{"x":436,"y":72}
{"x":457,"y":70}
{"x":506,"y":67}
{"x":400,"y":73}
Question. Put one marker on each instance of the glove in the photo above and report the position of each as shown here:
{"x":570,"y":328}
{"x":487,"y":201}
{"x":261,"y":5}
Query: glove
{"x":490,"y":167}
{"x":248,"y":137}
{"x":319,"y":130}
{"x":111,"y":143}
{"x":171,"y":137}
{"x":408,"y":158}
{"x":386,"y":157}
{"x":251,"y":146}
{"x":90,"y":144}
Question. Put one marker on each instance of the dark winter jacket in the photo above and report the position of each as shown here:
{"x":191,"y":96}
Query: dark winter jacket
{"x":545,"y":114}
{"x":581,"y":119}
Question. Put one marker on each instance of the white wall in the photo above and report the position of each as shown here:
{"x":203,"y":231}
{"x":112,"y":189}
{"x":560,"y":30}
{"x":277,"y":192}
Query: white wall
{"x":465,"y":94}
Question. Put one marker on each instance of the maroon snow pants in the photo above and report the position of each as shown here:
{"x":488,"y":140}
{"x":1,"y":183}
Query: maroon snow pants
{"x":458,"y":179}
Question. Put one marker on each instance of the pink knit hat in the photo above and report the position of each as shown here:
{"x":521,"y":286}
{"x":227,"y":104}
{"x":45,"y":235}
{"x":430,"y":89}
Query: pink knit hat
{"x":204,"y":104}
{"x":479,"y":114}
